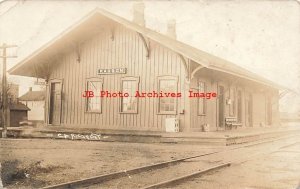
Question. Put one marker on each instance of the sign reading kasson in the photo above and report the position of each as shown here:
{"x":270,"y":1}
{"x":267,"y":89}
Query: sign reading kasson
{"x":112,"y":71}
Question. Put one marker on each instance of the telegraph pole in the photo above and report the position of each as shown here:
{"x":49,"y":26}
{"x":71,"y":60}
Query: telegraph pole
{"x":4,"y":88}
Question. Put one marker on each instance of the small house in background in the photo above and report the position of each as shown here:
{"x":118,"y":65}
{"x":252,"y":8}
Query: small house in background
{"x":35,"y":100}
{"x":17,"y":111}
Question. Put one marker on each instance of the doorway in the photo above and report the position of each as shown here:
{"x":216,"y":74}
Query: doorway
{"x":221,"y":102}
{"x":269,"y":111}
{"x":55,"y":103}
{"x":239,"y":106}
{"x":248,"y":112}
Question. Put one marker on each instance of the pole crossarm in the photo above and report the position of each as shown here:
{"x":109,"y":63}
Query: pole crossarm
{"x":4,"y":46}
{"x":8,"y":56}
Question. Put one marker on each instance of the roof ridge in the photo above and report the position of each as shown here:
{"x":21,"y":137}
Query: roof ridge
{"x":201,"y":57}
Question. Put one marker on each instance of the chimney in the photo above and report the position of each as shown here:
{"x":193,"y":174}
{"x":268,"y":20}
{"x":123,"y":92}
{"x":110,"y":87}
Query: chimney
{"x":171,"y":28}
{"x":138,"y":13}
{"x":30,"y":89}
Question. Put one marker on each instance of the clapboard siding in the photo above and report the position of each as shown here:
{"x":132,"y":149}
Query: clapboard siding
{"x":259,"y":110}
{"x":125,"y":50}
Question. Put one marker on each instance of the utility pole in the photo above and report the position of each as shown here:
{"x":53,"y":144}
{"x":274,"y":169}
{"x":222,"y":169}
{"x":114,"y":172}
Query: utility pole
{"x":4,"y":88}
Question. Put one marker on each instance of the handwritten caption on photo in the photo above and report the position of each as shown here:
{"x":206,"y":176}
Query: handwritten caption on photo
{"x":74,"y":136}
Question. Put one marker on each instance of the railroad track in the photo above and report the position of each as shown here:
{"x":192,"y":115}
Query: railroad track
{"x":161,"y":175}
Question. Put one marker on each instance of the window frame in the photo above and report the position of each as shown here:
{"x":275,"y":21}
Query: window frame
{"x":232,"y":96}
{"x":167,"y":77}
{"x":129,"y":78}
{"x":204,"y":99}
{"x":96,"y":79}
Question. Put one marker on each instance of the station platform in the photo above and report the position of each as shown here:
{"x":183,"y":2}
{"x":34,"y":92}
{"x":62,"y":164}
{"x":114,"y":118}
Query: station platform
{"x":231,"y":137}
{"x":224,"y":138}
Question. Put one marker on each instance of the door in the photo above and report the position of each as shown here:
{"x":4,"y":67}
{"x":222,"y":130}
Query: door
{"x":221,"y":103}
{"x":196,"y":125}
{"x":269,"y":111}
{"x":55,"y":103}
{"x":248,"y":112}
{"x":239,"y":106}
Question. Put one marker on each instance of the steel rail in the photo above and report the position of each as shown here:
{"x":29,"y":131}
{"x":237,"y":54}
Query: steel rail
{"x":124,"y":173}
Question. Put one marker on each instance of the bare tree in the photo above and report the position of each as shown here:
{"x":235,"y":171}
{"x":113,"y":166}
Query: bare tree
{"x":11,"y":94}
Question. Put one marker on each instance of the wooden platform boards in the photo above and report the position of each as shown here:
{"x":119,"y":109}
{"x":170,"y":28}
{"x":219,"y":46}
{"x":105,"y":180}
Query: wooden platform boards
{"x":198,"y":138}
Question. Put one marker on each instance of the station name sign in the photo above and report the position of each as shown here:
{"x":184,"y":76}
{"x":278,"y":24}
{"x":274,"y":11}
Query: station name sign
{"x":112,"y":71}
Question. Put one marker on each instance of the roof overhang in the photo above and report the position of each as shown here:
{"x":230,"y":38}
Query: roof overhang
{"x":98,"y":20}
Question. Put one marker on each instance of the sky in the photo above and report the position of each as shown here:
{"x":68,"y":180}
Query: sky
{"x":262,"y":36}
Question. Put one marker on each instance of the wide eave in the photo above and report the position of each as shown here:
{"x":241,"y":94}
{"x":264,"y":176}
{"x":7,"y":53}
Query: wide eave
{"x":97,"y":20}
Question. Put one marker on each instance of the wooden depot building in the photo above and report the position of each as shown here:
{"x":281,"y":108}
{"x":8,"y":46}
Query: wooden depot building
{"x":105,"y":53}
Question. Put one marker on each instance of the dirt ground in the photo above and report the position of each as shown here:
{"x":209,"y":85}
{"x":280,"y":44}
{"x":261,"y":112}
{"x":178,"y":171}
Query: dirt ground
{"x":34,"y":163}
{"x":278,"y":170}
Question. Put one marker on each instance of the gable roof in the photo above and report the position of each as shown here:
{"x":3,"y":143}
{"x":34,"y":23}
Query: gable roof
{"x":33,"y":96}
{"x":90,"y":23}
{"x":18,"y":106}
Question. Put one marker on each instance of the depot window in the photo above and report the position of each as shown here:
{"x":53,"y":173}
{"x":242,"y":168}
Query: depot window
{"x":201,"y":101}
{"x":93,"y":104}
{"x":232,"y":103}
{"x":129,"y":103}
{"x":167,"y":84}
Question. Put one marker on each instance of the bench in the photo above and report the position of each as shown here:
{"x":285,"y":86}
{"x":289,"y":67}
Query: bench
{"x":231,"y":122}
